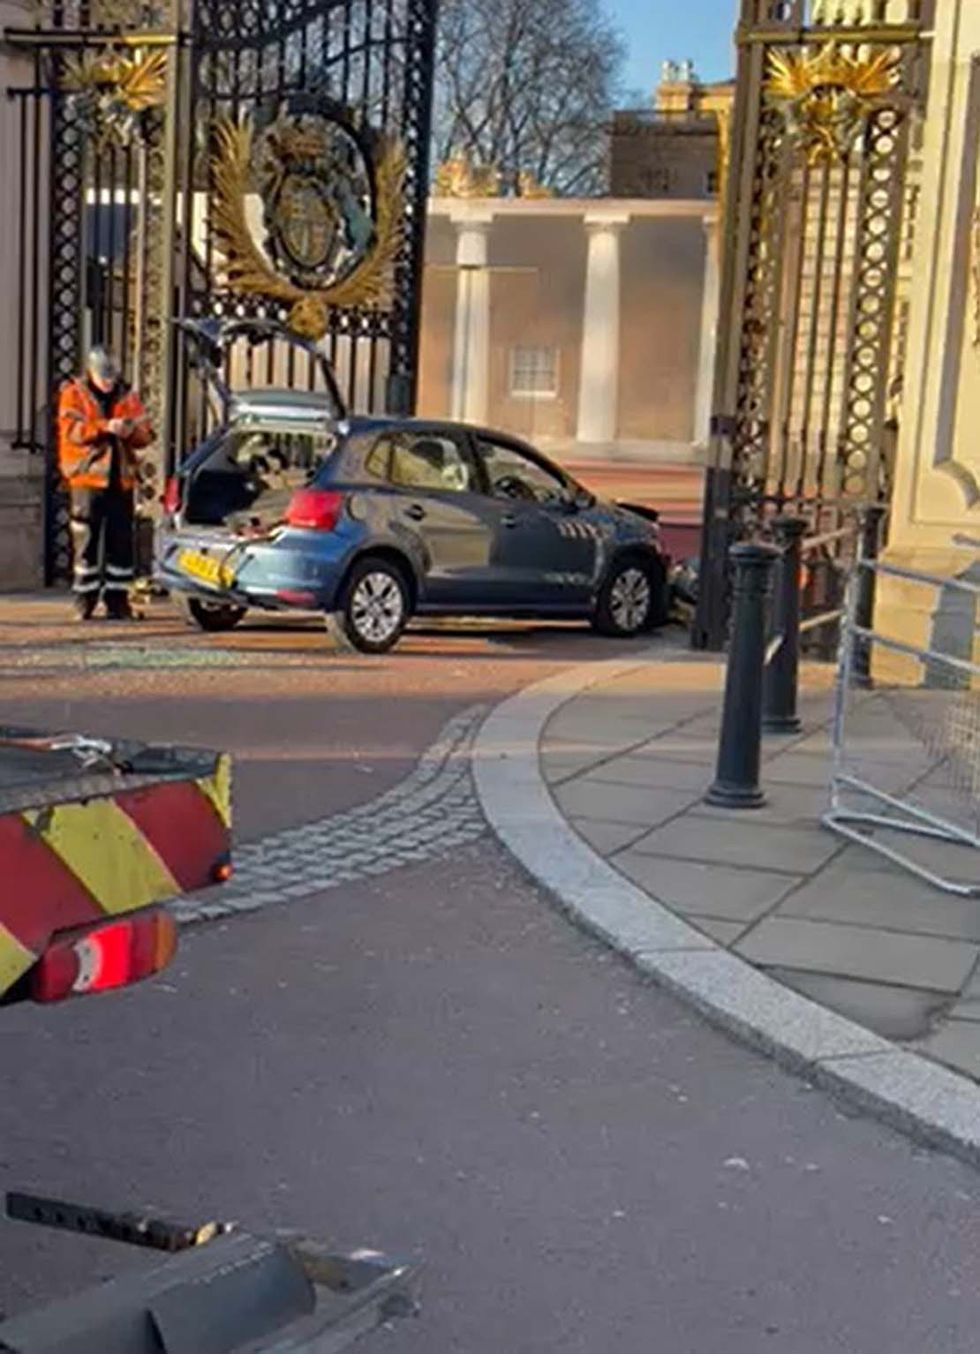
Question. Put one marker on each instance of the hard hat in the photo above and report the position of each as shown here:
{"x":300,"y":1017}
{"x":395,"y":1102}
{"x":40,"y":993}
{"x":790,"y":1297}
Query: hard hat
{"x":102,"y":365}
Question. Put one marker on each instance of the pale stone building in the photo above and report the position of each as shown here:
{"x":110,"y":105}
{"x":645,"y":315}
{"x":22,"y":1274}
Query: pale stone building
{"x":937,"y":465}
{"x":586,"y":326}
{"x":675,"y":147}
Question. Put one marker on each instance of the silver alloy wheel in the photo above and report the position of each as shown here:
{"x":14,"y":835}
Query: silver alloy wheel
{"x":377,"y":607}
{"x":629,"y":601}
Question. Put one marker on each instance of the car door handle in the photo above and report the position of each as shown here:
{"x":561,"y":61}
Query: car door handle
{"x":416,"y":512}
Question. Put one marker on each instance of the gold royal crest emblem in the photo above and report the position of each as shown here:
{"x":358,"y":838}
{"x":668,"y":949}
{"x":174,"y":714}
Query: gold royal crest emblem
{"x":331,"y":199}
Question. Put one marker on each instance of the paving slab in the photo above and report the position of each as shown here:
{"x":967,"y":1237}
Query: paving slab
{"x":956,"y":1044}
{"x":561,"y":762}
{"x":785,"y":925}
{"x":860,"y":887}
{"x":585,"y":798}
{"x":898,"y":747}
{"x":680,"y":747}
{"x":891,"y":1011}
{"x":786,"y":806}
{"x":714,"y":890}
{"x":725,"y":932}
{"x":743,"y":840}
{"x":813,"y":768}
{"x":603,"y":727}
{"x":651,"y":772}
{"x":933,"y":963}
{"x":652,"y":711}
{"x":945,"y":859}
{"x":605,"y":837}
{"x":966,"y":1010}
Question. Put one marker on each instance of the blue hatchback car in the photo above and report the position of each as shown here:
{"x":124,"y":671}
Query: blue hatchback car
{"x":291,"y":505}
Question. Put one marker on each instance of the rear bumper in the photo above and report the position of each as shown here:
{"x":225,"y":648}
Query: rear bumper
{"x":300,"y":570}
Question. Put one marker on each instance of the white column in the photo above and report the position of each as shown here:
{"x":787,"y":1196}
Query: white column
{"x":709,"y":331}
{"x":471,"y":353}
{"x":598,"y":398}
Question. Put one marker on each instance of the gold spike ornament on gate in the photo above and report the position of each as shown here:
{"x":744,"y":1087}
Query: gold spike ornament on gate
{"x":827,"y":95}
{"x":112,"y":90}
{"x":306,"y":210}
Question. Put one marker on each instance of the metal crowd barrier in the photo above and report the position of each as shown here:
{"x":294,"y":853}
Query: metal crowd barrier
{"x":932,"y":794}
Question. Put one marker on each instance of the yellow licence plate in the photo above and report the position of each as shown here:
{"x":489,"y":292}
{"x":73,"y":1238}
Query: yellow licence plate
{"x":205,"y":569}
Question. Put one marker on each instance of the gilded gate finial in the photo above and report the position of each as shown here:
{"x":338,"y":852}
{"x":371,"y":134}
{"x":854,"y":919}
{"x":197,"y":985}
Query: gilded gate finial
{"x":827,"y":95}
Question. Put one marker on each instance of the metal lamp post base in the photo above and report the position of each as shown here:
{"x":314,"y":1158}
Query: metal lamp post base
{"x":723,"y":796}
{"x":783,"y":724}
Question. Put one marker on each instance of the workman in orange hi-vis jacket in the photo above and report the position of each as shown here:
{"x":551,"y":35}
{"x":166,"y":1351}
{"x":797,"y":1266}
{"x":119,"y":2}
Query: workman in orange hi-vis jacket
{"x":102,"y":425}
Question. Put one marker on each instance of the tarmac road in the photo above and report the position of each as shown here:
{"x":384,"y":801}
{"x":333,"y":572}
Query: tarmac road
{"x":432,"y":1061}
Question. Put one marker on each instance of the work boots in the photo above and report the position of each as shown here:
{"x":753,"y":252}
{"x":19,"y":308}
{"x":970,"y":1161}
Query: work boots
{"x":83,"y":604}
{"x":117,"y":607}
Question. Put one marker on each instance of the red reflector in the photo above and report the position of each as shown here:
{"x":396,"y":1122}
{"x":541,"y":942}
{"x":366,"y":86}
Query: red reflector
{"x":102,"y":958}
{"x":294,"y":597}
{"x":171,"y":495}
{"x":223,"y":871}
{"x":315,"y":509}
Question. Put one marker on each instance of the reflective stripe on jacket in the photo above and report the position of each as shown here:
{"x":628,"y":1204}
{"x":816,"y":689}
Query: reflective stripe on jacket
{"x":84,"y":443}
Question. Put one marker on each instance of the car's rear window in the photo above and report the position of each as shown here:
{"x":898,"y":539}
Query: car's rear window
{"x":279,"y":452}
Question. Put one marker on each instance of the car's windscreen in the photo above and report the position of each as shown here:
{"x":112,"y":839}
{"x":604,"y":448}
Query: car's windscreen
{"x":253,"y":472}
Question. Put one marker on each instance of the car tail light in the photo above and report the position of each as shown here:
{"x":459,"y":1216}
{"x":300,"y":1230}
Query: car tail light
{"x":102,"y":958}
{"x":171,"y":495}
{"x":315,"y":509}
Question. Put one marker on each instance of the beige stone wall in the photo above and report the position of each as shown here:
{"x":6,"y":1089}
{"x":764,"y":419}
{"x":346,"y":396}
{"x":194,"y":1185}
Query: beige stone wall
{"x":537,"y":268}
{"x":937,"y":490}
{"x":540,"y":306}
{"x":663,"y":282}
{"x":660,"y":159}
{"x":438,"y":317}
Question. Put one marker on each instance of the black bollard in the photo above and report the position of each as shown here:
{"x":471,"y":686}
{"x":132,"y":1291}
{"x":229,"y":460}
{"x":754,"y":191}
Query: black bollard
{"x":864,"y":602}
{"x":736,"y":784}
{"x":782,"y":671}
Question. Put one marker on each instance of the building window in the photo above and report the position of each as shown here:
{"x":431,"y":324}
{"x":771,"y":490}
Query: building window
{"x":534,"y":373}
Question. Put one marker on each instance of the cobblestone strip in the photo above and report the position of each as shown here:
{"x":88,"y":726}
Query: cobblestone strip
{"x":430,"y":814}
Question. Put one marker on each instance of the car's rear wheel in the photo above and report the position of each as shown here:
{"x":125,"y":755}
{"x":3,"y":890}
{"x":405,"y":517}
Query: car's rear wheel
{"x":211,"y":616}
{"x":376,"y":605}
{"x":632,"y":600}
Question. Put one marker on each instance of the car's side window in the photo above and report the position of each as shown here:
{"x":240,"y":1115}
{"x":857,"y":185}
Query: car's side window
{"x":429,"y":461}
{"x":510,"y":474}
{"x":377,"y":463}
{"x":279,"y":460}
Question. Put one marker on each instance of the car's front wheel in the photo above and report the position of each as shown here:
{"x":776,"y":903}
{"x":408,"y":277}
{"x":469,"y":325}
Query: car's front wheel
{"x":376,"y":605}
{"x":211,"y":616}
{"x":631,"y":600}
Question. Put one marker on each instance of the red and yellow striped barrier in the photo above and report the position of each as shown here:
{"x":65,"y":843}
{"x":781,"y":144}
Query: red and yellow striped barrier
{"x":78,"y":861}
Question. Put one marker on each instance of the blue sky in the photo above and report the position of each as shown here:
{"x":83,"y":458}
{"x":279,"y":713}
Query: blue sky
{"x":665,"y":30}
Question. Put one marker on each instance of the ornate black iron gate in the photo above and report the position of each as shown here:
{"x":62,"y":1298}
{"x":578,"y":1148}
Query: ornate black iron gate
{"x":817,"y":188}
{"x":129,"y":201}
